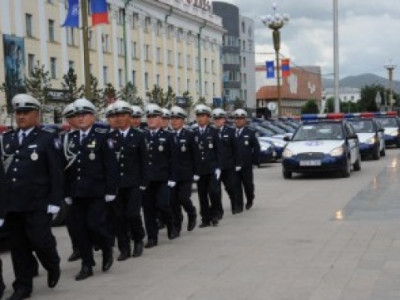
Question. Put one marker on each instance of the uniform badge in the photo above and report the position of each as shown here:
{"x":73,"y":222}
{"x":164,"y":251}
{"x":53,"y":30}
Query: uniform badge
{"x":92,"y":156}
{"x":7,"y":146}
{"x":160,"y":148}
{"x":34,"y":156}
{"x":183,"y":148}
{"x":210,"y":146}
{"x":57,"y":144}
{"x":110,"y":143}
{"x":246,"y":143}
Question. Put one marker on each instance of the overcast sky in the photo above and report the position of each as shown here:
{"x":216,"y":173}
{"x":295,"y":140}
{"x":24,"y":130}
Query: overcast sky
{"x":369,"y":33}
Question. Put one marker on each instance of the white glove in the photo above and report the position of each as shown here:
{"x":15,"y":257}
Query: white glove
{"x":196,"y":178}
{"x":52,"y":209}
{"x":238,"y":168}
{"x":68,"y":200}
{"x":1,"y":222}
{"x":217,"y":173}
{"x":142,"y":188}
{"x":171,"y":184}
{"x":110,"y":198}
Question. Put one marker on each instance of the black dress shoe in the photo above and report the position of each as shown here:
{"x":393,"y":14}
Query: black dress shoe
{"x":173,"y":234}
{"x":151,"y":243}
{"x":215,"y":221}
{"x":53,"y":276}
{"x":192,"y":222}
{"x":124,"y":255}
{"x":84,"y":273}
{"x":75,"y":255}
{"x":138,"y":249}
{"x":204,"y":224}
{"x":107,"y":259}
{"x":19,"y":294}
{"x":249,"y":204}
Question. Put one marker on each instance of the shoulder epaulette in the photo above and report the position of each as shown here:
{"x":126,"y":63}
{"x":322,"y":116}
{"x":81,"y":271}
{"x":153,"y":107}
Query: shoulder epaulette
{"x":48,"y":129}
{"x":9,"y":131}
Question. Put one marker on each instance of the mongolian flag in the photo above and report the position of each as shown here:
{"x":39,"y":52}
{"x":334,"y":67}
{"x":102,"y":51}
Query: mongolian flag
{"x":285,"y":67}
{"x":270,"y":67}
{"x":99,"y":12}
{"x":72,"y":19}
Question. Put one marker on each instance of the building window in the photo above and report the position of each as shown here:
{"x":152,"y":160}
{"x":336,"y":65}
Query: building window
{"x":50,"y":1}
{"x":245,"y":95}
{"x":213,"y":88}
{"x":188,"y":62}
{"x":53,"y":67}
{"x":146,"y":81}
{"x":147,"y":24}
{"x":244,"y":78}
{"x":51,"y":31}
{"x":180,"y":34}
{"x":213,"y":66}
{"x":197,"y":87}
{"x":31,"y":63}
{"x":158,"y":55}
{"x":170,"y":31}
{"x":135,"y":21}
{"x":244,"y":62}
{"x":169,"y":58}
{"x":206,"y":65}
{"x":121,"y":46}
{"x":158,"y":79}
{"x":120,"y":79}
{"x":169,"y":81}
{"x":120,"y":20}
{"x":70,"y":36}
{"x":105,"y":75}
{"x":188,"y":84}
{"x":244,"y":45}
{"x":179,"y":84}
{"x":159,"y":27}
{"x":91,"y":40}
{"x":134,"y":78}
{"x":243,"y":27}
{"x":28,"y":24}
{"x":179,"y":59}
{"x":134,"y":50}
{"x":105,"y":42}
{"x":206,"y":87}
{"x":147,"y":53}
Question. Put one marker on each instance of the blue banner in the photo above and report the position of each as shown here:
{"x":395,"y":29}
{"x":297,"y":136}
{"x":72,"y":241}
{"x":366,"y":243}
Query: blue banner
{"x":270,"y":68}
{"x":72,"y":19}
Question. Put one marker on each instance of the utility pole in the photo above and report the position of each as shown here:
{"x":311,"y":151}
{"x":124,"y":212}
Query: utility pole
{"x":199,"y":59}
{"x":336,"y":53}
{"x":126,"y":3}
{"x":86,"y":57}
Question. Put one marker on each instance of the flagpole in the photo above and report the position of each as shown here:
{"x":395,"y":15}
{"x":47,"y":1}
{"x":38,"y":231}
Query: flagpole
{"x":86,"y":57}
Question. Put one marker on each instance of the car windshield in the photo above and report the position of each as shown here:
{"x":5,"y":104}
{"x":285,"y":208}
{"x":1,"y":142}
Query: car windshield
{"x":319,"y":131}
{"x":387,"y":122}
{"x":362,"y":126}
{"x":263,"y":130}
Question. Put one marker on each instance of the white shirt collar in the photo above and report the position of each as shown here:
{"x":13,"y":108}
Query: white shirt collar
{"x":26,"y":131}
{"x":85,"y":132}
{"x":124,"y":132}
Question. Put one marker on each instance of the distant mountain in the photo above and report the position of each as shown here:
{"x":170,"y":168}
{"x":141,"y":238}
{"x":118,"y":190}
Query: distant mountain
{"x":360,"y":81}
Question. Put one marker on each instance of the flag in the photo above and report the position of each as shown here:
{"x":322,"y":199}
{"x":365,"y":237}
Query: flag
{"x":269,"y":66}
{"x":99,"y":12}
{"x":72,"y":19}
{"x":285,"y":67}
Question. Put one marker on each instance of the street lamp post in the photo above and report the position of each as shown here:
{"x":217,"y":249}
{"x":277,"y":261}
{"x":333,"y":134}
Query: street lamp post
{"x":276,"y":22}
{"x":390,"y":67}
{"x":126,"y":4}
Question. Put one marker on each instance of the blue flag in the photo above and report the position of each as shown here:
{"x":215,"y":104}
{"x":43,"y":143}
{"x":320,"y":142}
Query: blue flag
{"x":72,"y":19}
{"x":270,"y":67}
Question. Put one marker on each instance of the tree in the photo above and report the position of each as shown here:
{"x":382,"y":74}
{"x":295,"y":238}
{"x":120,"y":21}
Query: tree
{"x":156,"y":95}
{"x":238,"y":103}
{"x":368,"y":95}
{"x":110,"y":94}
{"x":311,"y":107}
{"x":330,"y":105}
{"x":201,"y":100}
{"x":38,"y":85}
{"x":170,"y":98}
{"x":70,"y":84}
{"x":12,"y":86}
{"x":128,"y":93}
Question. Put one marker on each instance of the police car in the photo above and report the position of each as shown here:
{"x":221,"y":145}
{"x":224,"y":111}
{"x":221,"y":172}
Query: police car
{"x":324,"y":142}
{"x":391,"y":123}
{"x":370,"y":134}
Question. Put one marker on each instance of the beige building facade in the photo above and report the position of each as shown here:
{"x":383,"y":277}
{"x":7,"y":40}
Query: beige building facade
{"x":169,"y":43}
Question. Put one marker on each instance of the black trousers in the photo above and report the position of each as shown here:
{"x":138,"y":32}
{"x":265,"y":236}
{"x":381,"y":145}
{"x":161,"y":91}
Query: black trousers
{"x":69,"y":224}
{"x":31,"y":231}
{"x":127,"y":219}
{"x":156,"y":197}
{"x":230,"y":180}
{"x":180,"y":197}
{"x":90,"y":227}
{"x":246,"y":182}
{"x":209,"y":191}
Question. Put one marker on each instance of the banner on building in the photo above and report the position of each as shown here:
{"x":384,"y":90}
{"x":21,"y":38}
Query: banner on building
{"x":14,"y":57}
{"x":285,"y":67}
{"x":72,"y":19}
{"x":99,"y":12}
{"x":270,"y":68}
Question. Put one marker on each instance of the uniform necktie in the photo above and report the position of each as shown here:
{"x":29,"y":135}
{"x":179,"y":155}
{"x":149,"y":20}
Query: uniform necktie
{"x":83,"y":137}
{"x":237,"y":132}
{"x":22,"y":138}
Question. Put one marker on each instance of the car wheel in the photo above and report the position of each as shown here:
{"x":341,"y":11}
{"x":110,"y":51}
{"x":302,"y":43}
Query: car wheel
{"x":357,"y":164}
{"x":377,"y":154}
{"x":383,"y":151}
{"x":287,"y":174}
{"x":347,"y":170}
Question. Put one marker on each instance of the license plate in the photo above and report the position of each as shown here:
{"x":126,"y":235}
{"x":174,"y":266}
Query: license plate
{"x":310,"y":163}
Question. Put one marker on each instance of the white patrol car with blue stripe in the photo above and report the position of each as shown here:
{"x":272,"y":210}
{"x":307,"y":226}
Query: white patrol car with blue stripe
{"x":370,"y":134}
{"x":322,"y":143}
{"x":391,"y":123}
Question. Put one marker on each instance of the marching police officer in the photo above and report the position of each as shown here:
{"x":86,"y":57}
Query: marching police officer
{"x":2,"y":186}
{"x":33,"y":191}
{"x":248,"y":149}
{"x":157,"y":194}
{"x":207,"y":168}
{"x":91,"y":176}
{"x":228,"y":153}
{"x":110,"y":116}
{"x":70,"y":116}
{"x":136,"y":119}
{"x":182,"y":169}
{"x":131,"y":151}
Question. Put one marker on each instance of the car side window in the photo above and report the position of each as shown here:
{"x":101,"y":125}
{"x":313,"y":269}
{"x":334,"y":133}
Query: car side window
{"x":349,"y":130}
